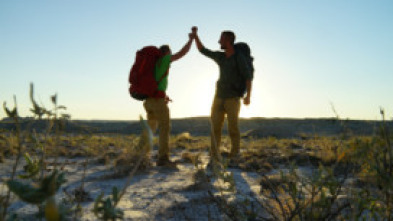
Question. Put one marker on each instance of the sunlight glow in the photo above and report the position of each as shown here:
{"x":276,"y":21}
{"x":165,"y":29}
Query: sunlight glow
{"x":304,"y":58}
{"x":246,"y":112}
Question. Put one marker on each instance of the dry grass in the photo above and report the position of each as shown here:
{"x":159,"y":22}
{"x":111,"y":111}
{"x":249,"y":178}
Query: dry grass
{"x":258,"y":155}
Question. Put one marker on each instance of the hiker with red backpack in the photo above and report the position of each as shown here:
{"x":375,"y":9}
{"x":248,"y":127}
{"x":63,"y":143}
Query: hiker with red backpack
{"x":234,"y":83}
{"x":149,"y":81}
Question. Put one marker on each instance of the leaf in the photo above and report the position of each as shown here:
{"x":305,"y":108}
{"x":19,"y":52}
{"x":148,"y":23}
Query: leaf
{"x":97,"y":203}
{"x":104,"y":208}
{"x":61,"y":179}
{"x":28,"y":158}
{"x":11,"y":114}
{"x":54,"y":99}
{"x":66,"y":116}
{"x":382,"y":112}
{"x":35,"y":105}
{"x":37,"y":109}
{"x":115,"y":194}
{"x":62,"y":107}
{"x":51,"y":183}
{"x":27,"y":192}
{"x":32,"y":167}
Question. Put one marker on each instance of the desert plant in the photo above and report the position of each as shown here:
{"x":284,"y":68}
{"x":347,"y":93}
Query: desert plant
{"x":106,"y":208}
{"x":42,"y":192}
{"x":38,"y":193}
{"x":74,"y":198}
{"x":17,"y":133}
{"x":323,"y":195}
{"x":291,"y":196}
{"x":375,"y":159}
{"x":34,"y":165}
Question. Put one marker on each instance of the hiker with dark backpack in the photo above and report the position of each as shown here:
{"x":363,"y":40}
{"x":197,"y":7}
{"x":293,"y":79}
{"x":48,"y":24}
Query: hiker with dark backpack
{"x":149,"y":81}
{"x":234,"y":83}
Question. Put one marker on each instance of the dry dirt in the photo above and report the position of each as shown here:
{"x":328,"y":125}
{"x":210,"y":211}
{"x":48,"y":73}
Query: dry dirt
{"x":157,"y":193}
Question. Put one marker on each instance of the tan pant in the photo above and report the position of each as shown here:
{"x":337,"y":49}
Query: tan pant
{"x":158,"y":116}
{"x":220,"y":107}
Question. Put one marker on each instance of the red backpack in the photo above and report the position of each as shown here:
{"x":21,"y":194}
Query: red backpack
{"x":141,"y":78}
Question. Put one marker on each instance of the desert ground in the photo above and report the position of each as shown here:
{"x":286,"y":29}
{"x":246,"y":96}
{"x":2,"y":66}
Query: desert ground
{"x":319,"y":173}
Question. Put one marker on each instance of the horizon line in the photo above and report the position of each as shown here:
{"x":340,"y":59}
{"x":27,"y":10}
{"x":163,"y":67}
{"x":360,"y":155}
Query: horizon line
{"x":207,"y":116}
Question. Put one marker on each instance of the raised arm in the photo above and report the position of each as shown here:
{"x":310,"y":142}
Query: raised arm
{"x":184,"y":50}
{"x":197,"y":40}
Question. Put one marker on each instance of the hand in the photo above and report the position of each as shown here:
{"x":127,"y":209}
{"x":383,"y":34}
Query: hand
{"x":167,"y":99}
{"x":191,"y":36}
{"x":246,"y":100}
{"x":194,"y":29}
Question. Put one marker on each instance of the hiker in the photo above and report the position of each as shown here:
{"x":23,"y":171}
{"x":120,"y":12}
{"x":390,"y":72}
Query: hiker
{"x":233,"y":68}
{"x":157,"y":106}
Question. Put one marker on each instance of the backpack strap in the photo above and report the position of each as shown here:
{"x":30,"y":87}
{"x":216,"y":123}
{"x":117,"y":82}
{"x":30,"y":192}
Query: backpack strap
{"x":161,"y":94}
{"x":166,"y":72}
{"x":240,"y":88}
{"x":163,"y":76}
{"x":237,"y":63}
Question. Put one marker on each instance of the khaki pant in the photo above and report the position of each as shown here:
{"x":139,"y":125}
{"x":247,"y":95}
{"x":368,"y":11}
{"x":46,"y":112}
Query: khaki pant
{"x":220,"y":107}
{"x":158,"y":117}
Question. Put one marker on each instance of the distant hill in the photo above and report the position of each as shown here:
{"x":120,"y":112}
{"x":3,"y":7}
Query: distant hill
{"x":200,"y":126}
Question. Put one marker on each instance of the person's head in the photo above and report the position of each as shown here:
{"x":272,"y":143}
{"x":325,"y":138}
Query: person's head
{"x":165,"y":49}
{"x":227,"y":39}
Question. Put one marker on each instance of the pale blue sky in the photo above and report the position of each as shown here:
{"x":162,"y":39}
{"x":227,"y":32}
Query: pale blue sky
{"x":308,"y":54}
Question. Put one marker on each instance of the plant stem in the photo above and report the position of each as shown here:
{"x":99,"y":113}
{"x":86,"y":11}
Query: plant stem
{"x":15,"y":166}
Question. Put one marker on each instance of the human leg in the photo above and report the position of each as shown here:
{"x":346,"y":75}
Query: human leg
{"x":217,"y":121}
{"x":149,"y":105}
{"x":162,"y":113}
{"x":232,"y":108}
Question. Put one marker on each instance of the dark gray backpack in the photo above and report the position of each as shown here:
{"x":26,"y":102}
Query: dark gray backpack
{"x":245,"y":50}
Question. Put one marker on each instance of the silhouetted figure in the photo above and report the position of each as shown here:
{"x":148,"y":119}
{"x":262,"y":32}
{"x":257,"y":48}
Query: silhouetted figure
{"x":157,"y":106}
{"x":233,"y":69}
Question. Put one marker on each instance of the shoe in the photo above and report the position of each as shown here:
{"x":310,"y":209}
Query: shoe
{"x":225,"y":154}
{"x":212,"y":166}
{"x":229,"y":155}
{"x":166,"y":163}
{"x":233,"y":163}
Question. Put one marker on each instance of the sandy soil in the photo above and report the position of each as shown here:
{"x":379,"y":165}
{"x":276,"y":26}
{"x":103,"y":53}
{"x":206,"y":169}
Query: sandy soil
{"x":157,"y":193}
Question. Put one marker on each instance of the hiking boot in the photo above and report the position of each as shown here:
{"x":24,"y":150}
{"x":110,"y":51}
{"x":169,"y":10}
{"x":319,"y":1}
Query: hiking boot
{"x":229,"y":155}
{"x":225,"y":154}
{"x":212,"y":165}
{"x":166,"y":163}
{"x":233,"y":163}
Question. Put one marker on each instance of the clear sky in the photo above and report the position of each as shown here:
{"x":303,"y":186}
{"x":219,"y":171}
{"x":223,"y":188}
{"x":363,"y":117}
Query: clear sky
{"x":308,"y":55}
